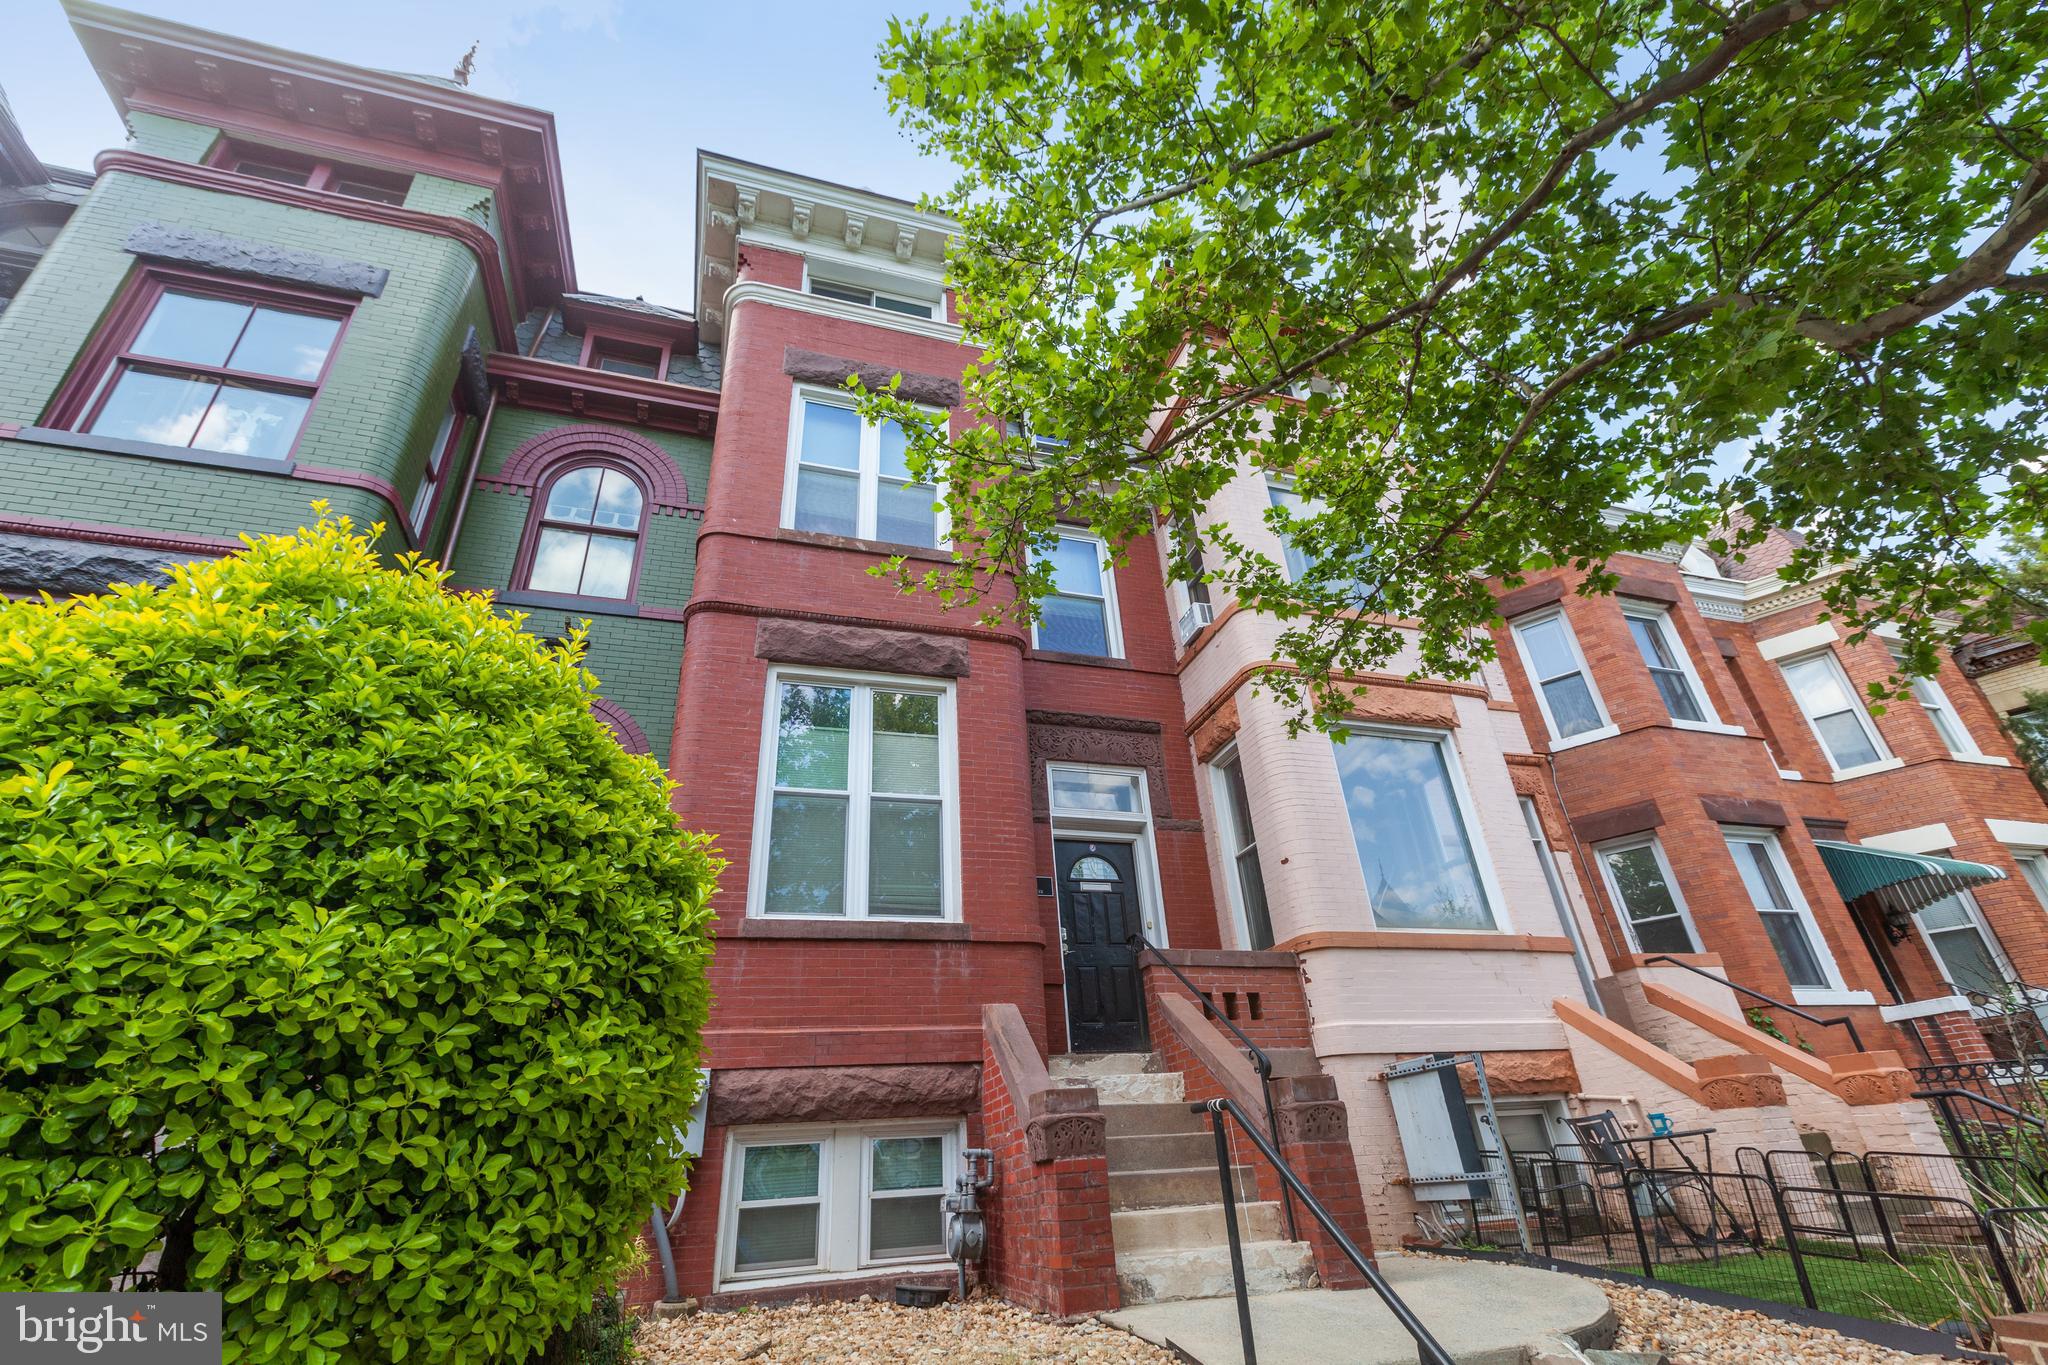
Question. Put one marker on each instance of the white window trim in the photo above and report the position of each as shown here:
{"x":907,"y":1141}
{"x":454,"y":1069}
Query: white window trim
{"x":868,"y":475}
{"x":858,"y":755}
{"x":1117,"y":827}
{"x":1232,"y":837}
{"x":2033,"y":865}
{"x":1475,"y":832}
{"x":1885,"y":760}
{"x":1775,"y":851}
{"x":1937,"y":700}
{"x":439,"y":456}
{"x":1277,"y":483}
{"x":1659,"y":619}
{"x":842,"y":1233}
{"x":1112,"y":622}
{"x":1976,"y":913}
{"x":1607,"y":729}
{"x":1628,"y":923}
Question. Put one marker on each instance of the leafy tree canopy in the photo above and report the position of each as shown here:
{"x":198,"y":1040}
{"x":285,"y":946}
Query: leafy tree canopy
{"x":1723,"y":264}
{"x":348,"y":962}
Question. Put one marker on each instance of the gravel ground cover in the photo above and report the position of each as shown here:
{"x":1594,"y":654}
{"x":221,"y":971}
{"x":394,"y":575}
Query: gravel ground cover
{"x":1702,"y":1334}
{"x":990,"y":1332}
{"x":982,"y":1332}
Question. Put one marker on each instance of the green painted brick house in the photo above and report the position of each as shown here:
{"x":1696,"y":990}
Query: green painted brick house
{"x":301,"y":281}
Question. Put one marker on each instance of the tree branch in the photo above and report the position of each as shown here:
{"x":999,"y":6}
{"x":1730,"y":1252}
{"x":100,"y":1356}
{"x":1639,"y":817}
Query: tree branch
{"x":1984,"y":268}
{"x":1400,"y":104}
{"x":1734,"y":42}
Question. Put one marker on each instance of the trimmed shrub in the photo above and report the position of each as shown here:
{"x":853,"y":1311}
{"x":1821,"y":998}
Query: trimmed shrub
{"x":346,"y":962}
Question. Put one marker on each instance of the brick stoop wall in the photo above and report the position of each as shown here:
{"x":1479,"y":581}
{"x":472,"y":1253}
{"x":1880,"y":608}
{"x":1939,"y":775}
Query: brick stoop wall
{"x":2023,"y":1337}
{"x":1048,"y":1212}
{"x":1314,"y":1129}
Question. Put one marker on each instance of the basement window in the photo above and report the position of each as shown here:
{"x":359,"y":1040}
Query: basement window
{"x":810,"y":1202}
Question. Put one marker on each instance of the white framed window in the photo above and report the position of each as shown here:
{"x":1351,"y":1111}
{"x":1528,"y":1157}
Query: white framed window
{"x":812,"y":1202}
{"x":1564,"y":688}
{"x":433,"y":470}
{"x":1829,"y":703}
{"x":1246,"y":877}
{"x":872,"y":298}
{"x":1413,"y":825}
{"x":1964,"y":948}
{"x":849,"y":477}
{"x":1079,"y":615}
{"x":858,"y":813}
{"x":1941,"y":712}
{"x":2034,"y":869}
{"x":1670,"y":665}
{"x":1639,"y":878}
{"x":1281,"y":494}
{"x":1774,"y":894}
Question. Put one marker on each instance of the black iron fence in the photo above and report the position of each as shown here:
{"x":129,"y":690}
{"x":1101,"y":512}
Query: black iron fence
{"x":1898,"y":1237}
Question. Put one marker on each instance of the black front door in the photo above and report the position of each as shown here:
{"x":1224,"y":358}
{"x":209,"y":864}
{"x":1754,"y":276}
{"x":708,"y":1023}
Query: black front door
{"x":1098,"y":915}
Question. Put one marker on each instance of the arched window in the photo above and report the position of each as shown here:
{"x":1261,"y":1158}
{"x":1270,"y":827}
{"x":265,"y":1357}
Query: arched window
{"x":588,"y":541}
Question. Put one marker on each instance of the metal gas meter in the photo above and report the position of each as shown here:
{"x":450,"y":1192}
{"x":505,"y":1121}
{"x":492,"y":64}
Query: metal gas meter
{"x":966,"y":1225}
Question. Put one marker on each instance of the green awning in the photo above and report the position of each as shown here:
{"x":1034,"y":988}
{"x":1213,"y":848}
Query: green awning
{"x":1898,"y":883}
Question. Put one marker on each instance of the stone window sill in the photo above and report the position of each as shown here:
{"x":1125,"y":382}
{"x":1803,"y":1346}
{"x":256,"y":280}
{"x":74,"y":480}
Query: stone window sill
{"x":756,"y":926}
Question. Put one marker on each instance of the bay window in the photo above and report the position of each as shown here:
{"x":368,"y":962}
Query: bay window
{"x":1564,"y":690}
{"x":230,"y":369}
{"x":440,"y":457}
{"x":1838,"y":719}
{"x":812,"y":1202}
{"x":849,"y":477}
{"x":1663,"y":653}
{"x":1775,"y":896}
{"x":1241,"y":847}
{"x":1412,"y":825}
{"x":1079,"y":615}
{"x":1940,"y":711}
{"x":1639,"y":879}
{"x":857,"y":817}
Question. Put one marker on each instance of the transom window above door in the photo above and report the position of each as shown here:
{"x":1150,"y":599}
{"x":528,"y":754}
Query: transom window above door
{"x":231,"y":372}
{"x":857,"y":815}
{"x":850,"y":477}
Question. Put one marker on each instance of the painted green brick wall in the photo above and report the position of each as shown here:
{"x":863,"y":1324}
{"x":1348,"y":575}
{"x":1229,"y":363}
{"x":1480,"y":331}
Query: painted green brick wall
{"x":637,"y":660}
{"x":384,"y":396}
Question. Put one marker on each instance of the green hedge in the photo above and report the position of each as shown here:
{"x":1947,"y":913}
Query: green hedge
{"x":344,"y":958}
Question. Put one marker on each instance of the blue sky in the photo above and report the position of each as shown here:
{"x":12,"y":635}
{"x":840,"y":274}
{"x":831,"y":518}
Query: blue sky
{"x":636,"y":86}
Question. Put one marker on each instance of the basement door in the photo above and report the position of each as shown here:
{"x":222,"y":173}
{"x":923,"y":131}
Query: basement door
{"x":1099,"y":912}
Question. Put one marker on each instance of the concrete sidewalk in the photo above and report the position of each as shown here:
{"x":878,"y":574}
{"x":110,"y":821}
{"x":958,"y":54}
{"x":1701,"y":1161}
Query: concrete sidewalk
{"x":1484,"y":1314}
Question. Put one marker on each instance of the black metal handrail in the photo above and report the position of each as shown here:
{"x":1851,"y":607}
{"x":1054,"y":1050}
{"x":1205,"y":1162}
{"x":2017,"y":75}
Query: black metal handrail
{"x":1426,"y":1345}
{"x":1261,"y":1063}
{"x":1974,"y":1098}
{"x":1838,"y":1021}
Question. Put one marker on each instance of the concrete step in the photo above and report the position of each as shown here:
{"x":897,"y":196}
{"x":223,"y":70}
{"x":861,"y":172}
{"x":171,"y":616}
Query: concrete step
{"x":1084,"y":1066}
{"x":1137,"y":1120}
{"x":1161,"y":1151}
{"x":1204,"y":1273}
{"x":1138,"y":1088}
{"x":1165,"y":1189}
{"x":1192,"y":1227}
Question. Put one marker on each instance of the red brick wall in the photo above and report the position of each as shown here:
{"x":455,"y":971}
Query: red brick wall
{"x":1048,"y":1223}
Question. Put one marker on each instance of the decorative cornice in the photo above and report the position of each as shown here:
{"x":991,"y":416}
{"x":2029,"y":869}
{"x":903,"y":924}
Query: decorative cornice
{"x":460,"y":230}
{"x":602,"y":395}
{"x":759,"y":291}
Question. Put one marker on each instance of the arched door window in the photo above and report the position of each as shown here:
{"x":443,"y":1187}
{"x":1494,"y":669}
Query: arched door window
{"x":589,"y":521}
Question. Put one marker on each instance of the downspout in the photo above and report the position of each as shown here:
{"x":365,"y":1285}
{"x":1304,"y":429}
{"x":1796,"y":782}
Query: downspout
{"x":476,"y":463}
